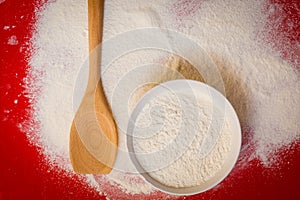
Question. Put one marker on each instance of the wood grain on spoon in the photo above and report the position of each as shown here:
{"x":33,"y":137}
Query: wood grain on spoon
{"x":93,"y":134}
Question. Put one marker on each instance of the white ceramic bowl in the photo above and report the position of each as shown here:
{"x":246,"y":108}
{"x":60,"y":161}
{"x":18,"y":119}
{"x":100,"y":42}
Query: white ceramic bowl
{"x":220,"y":102}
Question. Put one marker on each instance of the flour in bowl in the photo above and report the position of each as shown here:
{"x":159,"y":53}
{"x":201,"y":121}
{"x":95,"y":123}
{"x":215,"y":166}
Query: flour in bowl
{"x":173,"y":132}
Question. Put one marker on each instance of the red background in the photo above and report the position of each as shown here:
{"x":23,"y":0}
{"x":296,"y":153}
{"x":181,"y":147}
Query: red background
{"x":24,"y":175}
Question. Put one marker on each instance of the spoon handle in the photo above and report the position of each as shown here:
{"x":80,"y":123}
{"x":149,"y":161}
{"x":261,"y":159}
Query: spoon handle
{"x":95,"y":27}
{"x":96,"y":9}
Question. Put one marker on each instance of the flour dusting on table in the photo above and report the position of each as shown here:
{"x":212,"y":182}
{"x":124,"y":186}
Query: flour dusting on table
{"x":262,"y":87}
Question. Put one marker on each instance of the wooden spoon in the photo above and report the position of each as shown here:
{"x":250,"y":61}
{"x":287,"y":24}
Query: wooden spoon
{"x":93,"y":135}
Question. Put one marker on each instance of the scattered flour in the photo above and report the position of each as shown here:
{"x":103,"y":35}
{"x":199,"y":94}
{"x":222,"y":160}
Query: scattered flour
{"x":12,"y":40}
{"x":6,"y":27}
{"x":59,"y":54}
{"x":263,"y":88}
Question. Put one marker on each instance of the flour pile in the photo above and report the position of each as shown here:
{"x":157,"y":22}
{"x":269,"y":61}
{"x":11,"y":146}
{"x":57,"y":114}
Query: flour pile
{"x":263,"y":88}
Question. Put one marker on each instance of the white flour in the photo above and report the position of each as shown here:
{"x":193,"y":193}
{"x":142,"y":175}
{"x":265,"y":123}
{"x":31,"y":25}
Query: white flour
{"x":170,"y":135}
{"x":263,"y":88}
{"x":13,"y":40}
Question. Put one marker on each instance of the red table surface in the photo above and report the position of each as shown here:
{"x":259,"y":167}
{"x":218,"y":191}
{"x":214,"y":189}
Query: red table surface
{"x":23,"y":174}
